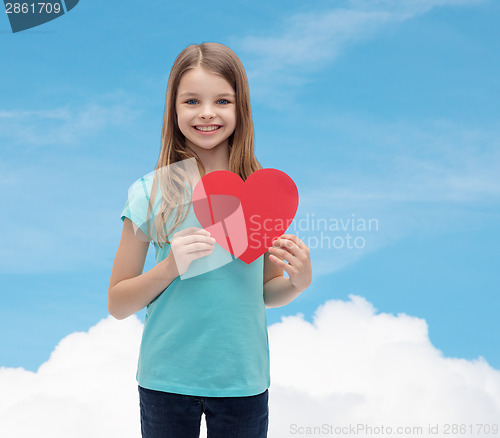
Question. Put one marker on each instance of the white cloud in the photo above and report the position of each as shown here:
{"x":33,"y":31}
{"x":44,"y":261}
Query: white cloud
{"x":351,"y":366}
{"x":356,"y":366}
{"x":85,"y":389}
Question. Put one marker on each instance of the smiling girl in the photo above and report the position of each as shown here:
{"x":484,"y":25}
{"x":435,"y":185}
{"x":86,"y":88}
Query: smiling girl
{"x":205,"y":345}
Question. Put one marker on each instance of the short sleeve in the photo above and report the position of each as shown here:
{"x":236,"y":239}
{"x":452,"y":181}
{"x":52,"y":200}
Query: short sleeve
{"x":136,"y":206}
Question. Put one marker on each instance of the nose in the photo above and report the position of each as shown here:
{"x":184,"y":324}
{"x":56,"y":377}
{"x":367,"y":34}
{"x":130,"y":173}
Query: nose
{"x":207,"y":112}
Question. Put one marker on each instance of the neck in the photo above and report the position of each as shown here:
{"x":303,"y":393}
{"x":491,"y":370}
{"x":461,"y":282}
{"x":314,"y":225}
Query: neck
{"x":214,"y":159}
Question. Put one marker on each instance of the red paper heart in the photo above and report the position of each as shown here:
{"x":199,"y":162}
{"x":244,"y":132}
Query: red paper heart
{"x":245,"y":216}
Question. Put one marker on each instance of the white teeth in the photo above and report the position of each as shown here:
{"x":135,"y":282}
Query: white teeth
{"x":207,"y":128}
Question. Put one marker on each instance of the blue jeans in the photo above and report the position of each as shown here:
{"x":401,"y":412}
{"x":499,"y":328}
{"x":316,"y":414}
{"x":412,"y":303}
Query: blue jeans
{"x":169,"y":415}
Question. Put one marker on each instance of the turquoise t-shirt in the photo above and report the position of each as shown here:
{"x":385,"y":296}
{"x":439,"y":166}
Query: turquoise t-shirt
{"x":206,"y":333}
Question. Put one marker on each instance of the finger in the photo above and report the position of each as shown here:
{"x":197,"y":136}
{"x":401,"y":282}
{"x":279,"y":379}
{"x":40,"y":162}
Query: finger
{"x":199,"y":246}
{"x":199,"y":254}
{"x":201,"y":231}
{"x":295,"y":239}
{"x":191,"y":230}
{"x":193,"y":238}
{"x":282,"y":264}
{"x":286,"y":244}
{"x":283,"y":254}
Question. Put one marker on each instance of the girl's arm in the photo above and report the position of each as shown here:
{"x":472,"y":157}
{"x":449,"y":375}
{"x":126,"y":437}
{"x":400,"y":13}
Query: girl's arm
{"x":129,"y":289}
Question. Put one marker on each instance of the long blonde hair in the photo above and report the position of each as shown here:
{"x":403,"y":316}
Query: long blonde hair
{"x":219,"y":59}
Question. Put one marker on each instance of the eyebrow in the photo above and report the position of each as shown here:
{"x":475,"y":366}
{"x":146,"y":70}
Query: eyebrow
{"x":188,"y":93}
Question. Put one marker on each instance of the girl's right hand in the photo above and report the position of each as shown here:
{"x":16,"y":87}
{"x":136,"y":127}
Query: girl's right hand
{"x":190,"y":244}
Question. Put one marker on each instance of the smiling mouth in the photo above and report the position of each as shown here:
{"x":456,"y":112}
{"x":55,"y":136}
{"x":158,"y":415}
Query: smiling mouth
{"x":207,"y":128}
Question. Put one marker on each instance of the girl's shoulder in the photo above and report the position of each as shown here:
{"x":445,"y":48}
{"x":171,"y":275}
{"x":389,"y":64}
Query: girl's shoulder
{"x":141,"y":189}
{"x":139,"y":199}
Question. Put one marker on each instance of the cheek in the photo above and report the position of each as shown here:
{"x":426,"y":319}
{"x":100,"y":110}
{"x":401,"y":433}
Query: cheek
{"x":182,"y":118}
{"x":231,"y":117}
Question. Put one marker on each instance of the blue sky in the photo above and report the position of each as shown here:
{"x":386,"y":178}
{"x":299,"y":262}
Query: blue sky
{"x":385,"y":110}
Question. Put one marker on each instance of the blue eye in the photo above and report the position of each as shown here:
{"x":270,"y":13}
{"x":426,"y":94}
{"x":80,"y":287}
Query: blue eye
{"x":223,"y":101}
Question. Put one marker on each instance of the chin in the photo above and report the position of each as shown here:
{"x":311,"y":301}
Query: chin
{"x":207,"y":146}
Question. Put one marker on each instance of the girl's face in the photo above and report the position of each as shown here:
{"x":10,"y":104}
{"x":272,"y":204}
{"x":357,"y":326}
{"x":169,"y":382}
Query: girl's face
{"x":206,"y":109}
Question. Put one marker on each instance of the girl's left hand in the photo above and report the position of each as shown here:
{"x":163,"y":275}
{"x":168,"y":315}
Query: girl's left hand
{"x":289,"y":248}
